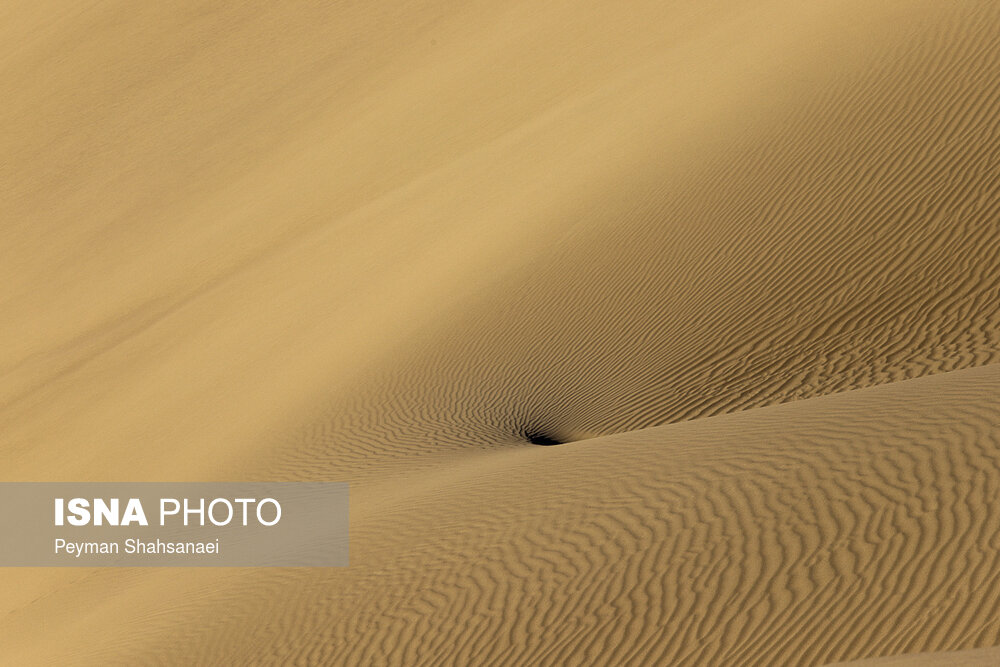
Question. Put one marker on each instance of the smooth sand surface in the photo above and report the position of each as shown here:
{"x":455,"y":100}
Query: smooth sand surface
{"x":983,"y":657}
{"x":742,"y":257}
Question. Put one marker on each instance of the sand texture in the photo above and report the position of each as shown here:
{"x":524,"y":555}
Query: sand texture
{"x":741,"y":258}
{"x":983,"y":657}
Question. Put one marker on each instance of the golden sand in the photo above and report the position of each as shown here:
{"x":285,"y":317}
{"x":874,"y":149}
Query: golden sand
{"x":743,"y":258}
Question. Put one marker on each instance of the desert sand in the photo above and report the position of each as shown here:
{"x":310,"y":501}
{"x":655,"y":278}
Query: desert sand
{"x":741,"y":259}
{"x":983,"y":657}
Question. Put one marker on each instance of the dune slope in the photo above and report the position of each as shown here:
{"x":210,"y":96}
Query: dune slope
{"x":742,"y":257}
{"x":858,"y":524}
{"x":256,"y":232}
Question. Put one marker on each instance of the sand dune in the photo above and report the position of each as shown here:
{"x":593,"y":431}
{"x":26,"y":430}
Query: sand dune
{"x":843,"y":526}
{"x":743,"y":258}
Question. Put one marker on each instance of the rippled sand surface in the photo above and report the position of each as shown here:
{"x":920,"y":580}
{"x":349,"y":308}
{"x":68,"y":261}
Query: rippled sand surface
{"x":737,"y":262}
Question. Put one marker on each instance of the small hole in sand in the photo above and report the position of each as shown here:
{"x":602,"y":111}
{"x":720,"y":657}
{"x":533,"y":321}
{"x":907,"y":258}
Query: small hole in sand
{"x":541,"y":438}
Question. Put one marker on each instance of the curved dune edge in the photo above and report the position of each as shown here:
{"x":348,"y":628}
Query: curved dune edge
{"x":846,"y":526}
{"x":983,"y":657}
